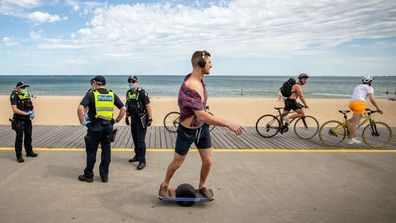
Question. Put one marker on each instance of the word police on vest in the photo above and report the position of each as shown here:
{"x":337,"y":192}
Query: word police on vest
{"x":105,"y":98}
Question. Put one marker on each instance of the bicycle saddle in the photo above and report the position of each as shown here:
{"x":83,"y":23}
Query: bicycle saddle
{"x":344,"y":111}
{"x":278,"y":108}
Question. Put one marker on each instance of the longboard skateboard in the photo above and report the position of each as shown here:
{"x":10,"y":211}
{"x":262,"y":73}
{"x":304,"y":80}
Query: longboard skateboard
{"x":186,"y":201}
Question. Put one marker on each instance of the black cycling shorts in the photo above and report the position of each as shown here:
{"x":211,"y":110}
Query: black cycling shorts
{"x":291,"y":104}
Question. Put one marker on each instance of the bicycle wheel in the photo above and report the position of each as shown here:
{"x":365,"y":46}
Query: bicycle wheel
{"x":268,"y":126}
{"x":171,"y":121}
{"x":377,"y":134}
{"x":306,"y":127}
{"x":332,"y":133}
{"x":211,"y":127}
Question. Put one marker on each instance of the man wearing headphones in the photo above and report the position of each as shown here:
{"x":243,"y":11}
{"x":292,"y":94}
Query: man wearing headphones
{"x":194,"y":123}
{"x":139,"y":109}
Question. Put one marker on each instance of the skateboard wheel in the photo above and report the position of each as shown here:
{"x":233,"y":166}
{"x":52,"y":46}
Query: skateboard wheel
{"x":185,"y":190}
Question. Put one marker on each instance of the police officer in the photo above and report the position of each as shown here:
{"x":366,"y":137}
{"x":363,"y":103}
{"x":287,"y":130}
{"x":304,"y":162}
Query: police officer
{"x":100,"y":105}
{"x":22,"y":107}
{"x":139,"y":109}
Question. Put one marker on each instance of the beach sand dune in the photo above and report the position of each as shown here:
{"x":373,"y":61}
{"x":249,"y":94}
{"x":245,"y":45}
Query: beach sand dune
{"x":62,"y":110}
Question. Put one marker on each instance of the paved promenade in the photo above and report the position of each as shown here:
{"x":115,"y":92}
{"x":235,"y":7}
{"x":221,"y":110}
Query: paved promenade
{"x":283,"y":179}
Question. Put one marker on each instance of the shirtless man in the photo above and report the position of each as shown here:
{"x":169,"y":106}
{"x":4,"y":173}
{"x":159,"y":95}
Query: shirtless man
{"x":194,"y":123}
{"x":291,"y":102}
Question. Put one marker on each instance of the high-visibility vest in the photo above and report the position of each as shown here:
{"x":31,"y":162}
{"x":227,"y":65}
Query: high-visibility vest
{"x":135,"y":106}
{"x":104,"y":104}
{"x":24,"y":103}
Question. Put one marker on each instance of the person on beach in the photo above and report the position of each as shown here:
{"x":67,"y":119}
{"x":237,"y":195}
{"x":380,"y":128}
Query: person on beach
{"x":291,"y":102}
{"x":358,"y":105}
{"x":23,"y":110}
{"x":100,"y":105}
{"x":194,"y":123}
{"x":139,"y":109}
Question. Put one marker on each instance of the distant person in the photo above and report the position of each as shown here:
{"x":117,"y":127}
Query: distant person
{"x":100,"y":105}
{"x":23,"y":110}
{"x":139,"y":109}
{"x":358,"y":105}
{"x":291,"y":101}
{"x":194,"y":123}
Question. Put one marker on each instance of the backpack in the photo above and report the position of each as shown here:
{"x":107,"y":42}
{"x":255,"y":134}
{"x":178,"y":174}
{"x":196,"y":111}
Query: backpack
{"x":286,"y":87}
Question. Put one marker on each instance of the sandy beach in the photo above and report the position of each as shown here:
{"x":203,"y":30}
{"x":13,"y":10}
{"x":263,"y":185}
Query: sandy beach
{"x":62,"y":110}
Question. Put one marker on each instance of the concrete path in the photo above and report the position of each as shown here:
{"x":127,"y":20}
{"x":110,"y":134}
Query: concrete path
{"x":249,"y":187}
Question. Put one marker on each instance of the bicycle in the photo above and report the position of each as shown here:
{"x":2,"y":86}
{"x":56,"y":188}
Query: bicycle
{"x":269,"y":125}
{"x":333,"y":133}
{"x":171,"y":120}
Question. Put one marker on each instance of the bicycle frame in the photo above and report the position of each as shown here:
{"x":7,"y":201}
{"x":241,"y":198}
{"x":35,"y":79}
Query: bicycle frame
{"x":280,"y":117}
{"x":366,"y":119}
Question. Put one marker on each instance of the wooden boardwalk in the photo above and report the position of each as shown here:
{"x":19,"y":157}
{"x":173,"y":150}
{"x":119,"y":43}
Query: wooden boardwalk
{"x":158,"y":138}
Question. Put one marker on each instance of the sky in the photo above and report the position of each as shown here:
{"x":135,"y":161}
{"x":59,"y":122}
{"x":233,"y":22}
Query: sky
{"x":245,"y":37}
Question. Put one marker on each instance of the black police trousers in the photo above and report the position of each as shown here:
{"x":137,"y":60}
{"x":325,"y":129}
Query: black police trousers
{"x":24,"y":128}
{"x":98,"y":134}
{"x":139,"y":136}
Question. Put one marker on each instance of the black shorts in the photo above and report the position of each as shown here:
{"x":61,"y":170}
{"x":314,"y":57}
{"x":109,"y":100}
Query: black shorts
{"x":291,"y":104}
{"x":185,"y":137}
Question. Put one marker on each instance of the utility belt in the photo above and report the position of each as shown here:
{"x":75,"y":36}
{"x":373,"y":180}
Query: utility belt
{"x":138,"y":115}
{"x":98,"y":121}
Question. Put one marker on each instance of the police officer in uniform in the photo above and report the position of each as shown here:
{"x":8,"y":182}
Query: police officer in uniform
{"x":100,"y":104}
{"x":23,"y":108}
{"x":139,"y":109}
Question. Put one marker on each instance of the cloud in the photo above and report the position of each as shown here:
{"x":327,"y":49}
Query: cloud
{"x":83,"y":7}
{"x":9,"y":42}
{"x":16,"y":8}
{"x":22,"y":3}
{"x":43,"y":17}
{"x":240,"y":28}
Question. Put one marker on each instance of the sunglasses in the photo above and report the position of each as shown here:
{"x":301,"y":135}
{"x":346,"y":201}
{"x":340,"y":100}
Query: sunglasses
{"x":132,"y":81}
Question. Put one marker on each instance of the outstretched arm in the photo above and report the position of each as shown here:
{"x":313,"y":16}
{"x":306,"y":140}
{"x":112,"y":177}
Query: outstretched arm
{"x":213,"y":120}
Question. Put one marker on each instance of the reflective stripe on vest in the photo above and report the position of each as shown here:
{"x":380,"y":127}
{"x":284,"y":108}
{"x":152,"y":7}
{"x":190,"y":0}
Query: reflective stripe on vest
{"x":104,"y":104}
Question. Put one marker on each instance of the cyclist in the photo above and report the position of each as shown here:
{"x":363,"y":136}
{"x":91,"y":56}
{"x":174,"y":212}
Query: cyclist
{"x":358,"y":105}
{"x":291,"y":102}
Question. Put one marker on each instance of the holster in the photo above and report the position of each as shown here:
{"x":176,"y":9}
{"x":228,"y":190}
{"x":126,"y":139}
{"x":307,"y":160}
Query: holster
{"x":17,"y":125}
{"x":113,"y":135}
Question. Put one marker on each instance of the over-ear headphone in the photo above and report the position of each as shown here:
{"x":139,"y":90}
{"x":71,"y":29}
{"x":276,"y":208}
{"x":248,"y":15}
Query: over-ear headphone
{"x":202,"y":61}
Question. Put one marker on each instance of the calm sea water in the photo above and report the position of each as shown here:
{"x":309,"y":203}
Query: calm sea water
{"x":218,"y":86}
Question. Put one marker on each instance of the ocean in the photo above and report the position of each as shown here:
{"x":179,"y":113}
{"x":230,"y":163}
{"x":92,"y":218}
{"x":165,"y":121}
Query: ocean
{"x":217,"y":86}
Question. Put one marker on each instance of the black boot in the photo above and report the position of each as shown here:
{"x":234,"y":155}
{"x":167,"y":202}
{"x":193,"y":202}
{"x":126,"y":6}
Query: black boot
{"x":134,"y":159}
{"x":31,"y":154}
{"x":86,"y":179}
{"x":141,"y":165}
{"x":20,"y":159}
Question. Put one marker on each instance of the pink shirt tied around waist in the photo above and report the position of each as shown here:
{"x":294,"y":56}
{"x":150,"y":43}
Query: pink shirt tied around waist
{"x":189,"y":101}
